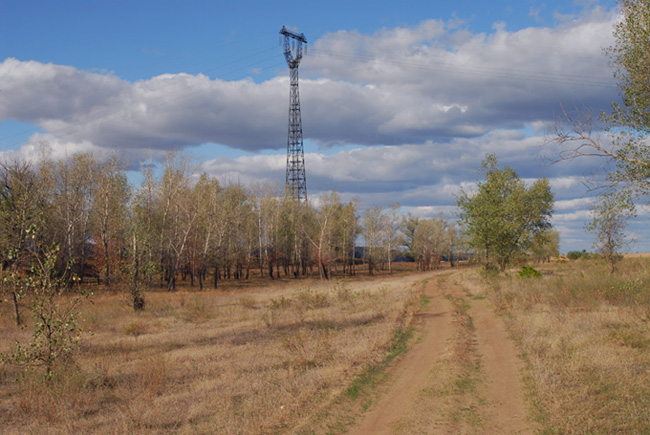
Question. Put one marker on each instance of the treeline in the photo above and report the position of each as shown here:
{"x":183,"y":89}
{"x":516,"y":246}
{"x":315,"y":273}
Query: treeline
{"x":176,"y":225}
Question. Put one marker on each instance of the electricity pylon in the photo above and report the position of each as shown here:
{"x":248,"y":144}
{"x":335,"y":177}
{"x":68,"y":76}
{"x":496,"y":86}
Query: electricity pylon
{"x":296,"y":180}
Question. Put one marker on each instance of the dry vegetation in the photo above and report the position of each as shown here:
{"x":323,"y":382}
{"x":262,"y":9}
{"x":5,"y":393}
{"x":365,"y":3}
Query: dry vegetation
{"x":279,"y":357}
{"x":265,"y":359}
{"x":584,"y":335}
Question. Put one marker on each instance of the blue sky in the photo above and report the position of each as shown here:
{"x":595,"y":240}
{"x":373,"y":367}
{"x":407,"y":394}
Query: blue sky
{"x":401,"y":100}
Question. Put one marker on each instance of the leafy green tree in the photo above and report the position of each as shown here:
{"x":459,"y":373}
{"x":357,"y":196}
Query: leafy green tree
{"x":610,"y":216}
{"x":631,"y":58}
{"x":502,"y":217}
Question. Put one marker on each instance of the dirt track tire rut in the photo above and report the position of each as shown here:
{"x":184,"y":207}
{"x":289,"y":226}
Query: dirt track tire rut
{"x":461,"y":374}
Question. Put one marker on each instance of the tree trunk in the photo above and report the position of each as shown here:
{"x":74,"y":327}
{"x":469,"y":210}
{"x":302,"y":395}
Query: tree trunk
{"x":106,"y":262}
{"x":16,"y":311}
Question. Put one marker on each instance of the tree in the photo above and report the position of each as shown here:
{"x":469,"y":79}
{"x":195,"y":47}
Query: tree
{"x":373,"y":225}
{"x":610,"y":216}
{"x":503,"y":216}
{"x":430,"y":242}
{"x":108,"y":214}
{"x":178,"y":215}
{"x":322,"y":237}
{"x":409,"y":225}
{"x":208,"y":191}
{"x":56,"y":331}
{"x":144,"y":242}
{"x":22,"y":208}
{"x":392,"y":238}
{"x":452,"y":242}
{"x":631,"y":58}
{"x":545,"y":244}
{"x":348,"y":230}
{"x":623,"y":142}
{"x":70,"y":184}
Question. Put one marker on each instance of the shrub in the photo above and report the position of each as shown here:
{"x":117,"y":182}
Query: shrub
{"x":529,"y":272}
{"x":56,"y":332}
{"x":574,"y":255}
{"x":310,"y":299}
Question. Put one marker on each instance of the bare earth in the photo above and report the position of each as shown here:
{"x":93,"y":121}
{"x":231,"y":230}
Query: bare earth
{"x":462,"y":374}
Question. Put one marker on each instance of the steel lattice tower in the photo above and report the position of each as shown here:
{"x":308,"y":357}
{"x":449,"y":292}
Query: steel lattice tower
{"x":296,"y":179}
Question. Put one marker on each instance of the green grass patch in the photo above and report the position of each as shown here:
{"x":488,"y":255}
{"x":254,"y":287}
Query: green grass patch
{"x":370,"y":377}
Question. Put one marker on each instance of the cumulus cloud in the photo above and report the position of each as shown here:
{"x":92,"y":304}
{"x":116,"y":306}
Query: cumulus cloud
{"x":405,"y":85}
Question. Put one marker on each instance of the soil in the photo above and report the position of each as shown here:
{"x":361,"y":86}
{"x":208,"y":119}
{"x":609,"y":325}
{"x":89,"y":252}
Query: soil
{"x":461,"y":375}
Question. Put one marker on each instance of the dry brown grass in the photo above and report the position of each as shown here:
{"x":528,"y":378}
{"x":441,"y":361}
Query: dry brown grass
{"x":584,"y":335}
{"x":240,"y":361}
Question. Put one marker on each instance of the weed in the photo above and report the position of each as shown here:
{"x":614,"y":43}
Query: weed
{"x":283,"y":302}
{"x":308,"y":347}
{"x":344,"y":293}
{"x":135,"y":328}
{"x":247,"y":302}
{"x":198,"y":309}
{"x":309,"y":299}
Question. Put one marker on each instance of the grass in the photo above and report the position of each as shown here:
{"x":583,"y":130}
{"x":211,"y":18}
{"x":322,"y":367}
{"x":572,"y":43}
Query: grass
{"x":242,"y":360}
{"x":585,"y":338}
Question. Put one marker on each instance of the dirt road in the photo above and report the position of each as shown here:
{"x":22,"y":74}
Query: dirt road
{"x":461,"y":375}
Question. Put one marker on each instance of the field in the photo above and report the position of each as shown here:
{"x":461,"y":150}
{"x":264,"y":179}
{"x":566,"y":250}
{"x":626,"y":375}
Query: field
{"x":305,"y":356}
{"x":244,"y":360}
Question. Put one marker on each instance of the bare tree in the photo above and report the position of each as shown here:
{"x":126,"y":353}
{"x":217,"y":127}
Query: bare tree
{"x":373,"y":225}
{"x":108,"y":214}
{"x":610,"y":216}
{"x":70,"y":184}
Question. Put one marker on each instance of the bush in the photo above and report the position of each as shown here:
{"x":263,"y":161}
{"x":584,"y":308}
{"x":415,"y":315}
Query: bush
{"x":574,"y":255}
{"x":529,"y":272}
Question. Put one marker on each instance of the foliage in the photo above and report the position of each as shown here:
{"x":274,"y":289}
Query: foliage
{"x":574,"y":255}
{"x":610,"y":216}
{"x":502,"y":218}
{"x":631,"y":58}
{"x":545,"y":244}
{"x":625,"y":143}
{"x":529,"y":272}
{"x":56,"y":331}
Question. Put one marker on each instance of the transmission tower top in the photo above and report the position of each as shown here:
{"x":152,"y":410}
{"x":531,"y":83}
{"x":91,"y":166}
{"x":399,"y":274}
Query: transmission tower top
{"x":293,"y":52}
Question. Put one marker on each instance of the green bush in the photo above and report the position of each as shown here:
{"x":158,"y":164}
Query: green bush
{"x":574,"y":255}
{"x":529,"y":272}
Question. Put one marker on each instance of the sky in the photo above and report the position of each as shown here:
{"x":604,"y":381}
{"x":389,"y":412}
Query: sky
{"x":401,"y":101}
